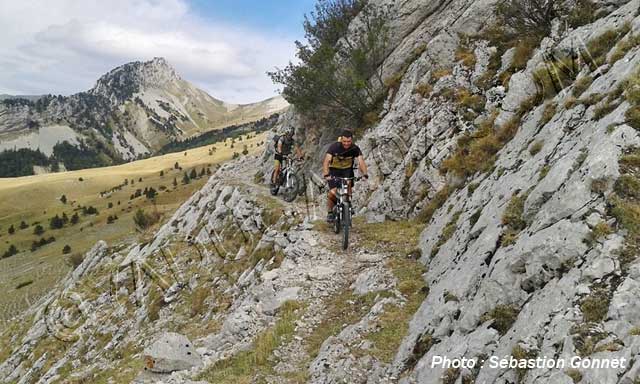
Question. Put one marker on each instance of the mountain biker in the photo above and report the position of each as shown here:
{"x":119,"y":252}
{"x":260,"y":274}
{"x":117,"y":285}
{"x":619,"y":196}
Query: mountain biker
{"x":338,"y":162}
{"x":284,"y":147}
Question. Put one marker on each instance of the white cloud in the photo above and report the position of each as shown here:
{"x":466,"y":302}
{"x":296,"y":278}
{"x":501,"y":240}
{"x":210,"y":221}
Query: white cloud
{"x":66,"y":47}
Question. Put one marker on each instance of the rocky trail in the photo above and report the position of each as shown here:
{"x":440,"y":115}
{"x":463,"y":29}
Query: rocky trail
{"x":261,"y":290}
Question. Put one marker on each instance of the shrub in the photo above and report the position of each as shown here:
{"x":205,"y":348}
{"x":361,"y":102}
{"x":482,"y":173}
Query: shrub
{"x":423,"y":89}
{"x":554,"y":76}
{"x":66,"y":249}
{"x":512,"y":219}
{"x":465,"y":55}
{"x":527,"y":17}
{"x":536,"y":147}
{"x":335,"y":67}
{"x":600,"y":231}
{"x":10,"y":252}
{"x":624,"y":46}
{"x":595,"y":306}
{"x":24,"y":284}
{"x":520,"y":353}
{"x":628,"y":187}
{"x":598,"y":47}
{"x":440,"y":73}
{"x":548,"y":113}
{"x":581,"y":85}
{"x":503,"y":317}
{"x":38,"y":230}
{"x":145,"y":220}
{"x":436,"y":202}
{"x":75,"y":260}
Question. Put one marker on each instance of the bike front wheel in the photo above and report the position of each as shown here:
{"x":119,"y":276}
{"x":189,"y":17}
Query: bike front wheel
{"x":346,"y":224}
{"x":274,"y":186}
{"x":291,"y":187}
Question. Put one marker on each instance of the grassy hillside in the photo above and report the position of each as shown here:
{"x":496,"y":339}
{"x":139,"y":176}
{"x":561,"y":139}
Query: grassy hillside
{"x":34,"y":200}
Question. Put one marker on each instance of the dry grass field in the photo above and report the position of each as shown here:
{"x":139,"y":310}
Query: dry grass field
{"x":29,"y":274}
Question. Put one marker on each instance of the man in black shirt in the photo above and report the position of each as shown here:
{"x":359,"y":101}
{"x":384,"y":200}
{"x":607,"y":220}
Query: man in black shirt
{"x":338,"y":162}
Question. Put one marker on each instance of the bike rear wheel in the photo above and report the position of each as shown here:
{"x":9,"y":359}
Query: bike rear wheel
{"x":346,"y":224}
{"x":291,"y":187}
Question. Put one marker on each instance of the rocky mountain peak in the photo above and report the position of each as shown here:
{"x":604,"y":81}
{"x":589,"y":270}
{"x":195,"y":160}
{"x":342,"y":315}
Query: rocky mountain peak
{"x":122,"y":82}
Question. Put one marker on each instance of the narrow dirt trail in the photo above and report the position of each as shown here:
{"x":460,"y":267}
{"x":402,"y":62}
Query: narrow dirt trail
{"x":293,"y":358}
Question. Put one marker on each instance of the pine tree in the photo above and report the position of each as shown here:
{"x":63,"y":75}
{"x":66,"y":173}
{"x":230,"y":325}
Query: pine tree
{"x":202,"y":172}
{"x":185,"y":179}
{"x":12,"y":230}
{"x":23,"y":225}
{"x":193,"y":174}
{"x":176,"y":165}
{"x":162,"y":173}
{"x":175,"y":182}
{"x":75,"y":218}
{"x":151,"y":193}
{"x":56,"y":222}
{"x":38,"y":230}
{"x":65,"y":218}
{"x":66,"y":249}
{"x":63,"y":199}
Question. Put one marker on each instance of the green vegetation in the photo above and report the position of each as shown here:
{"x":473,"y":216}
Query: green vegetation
{"x":245,"y":365}
{"x":536,"y":147}
{"x":465,"y":54}
{"x":434,"y":204}
{"x":332,"y":79}
{"x":512,"y":219}
{"x":548,"y":113}
{"x":581,"y":85}
{"x":447,"y":232}
{"x":145,"y":220}
{"x":555,"y":75}
{"x":394,"y":322}
{"x":600,"y":231}
{"x":595,"y":306}
{"x":476,"y":151}
{"x":597,"y":48}
{"x":520,"y":353}
{"x":503,"y":317}
{"x":423,"y":89}
{"x":20,"y":162}
{"x":624,"y":46}
{"x":40,"y":196}
{"x":574,"y":374}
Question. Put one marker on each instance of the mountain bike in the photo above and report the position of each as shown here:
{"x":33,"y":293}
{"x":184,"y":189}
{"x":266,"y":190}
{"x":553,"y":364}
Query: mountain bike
{"x":343,"y":211}
{"x":287,"y":179}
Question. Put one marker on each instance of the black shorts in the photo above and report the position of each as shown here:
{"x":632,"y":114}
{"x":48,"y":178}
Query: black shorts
{"x":279,"y":159}
{"x":335,"y":172}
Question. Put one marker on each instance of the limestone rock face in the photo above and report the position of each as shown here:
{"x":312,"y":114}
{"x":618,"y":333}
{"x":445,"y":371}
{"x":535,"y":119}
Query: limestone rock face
{"x":171,"y":352}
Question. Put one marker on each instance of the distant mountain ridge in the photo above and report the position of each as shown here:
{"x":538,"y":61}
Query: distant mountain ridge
{"x":132,"y":111}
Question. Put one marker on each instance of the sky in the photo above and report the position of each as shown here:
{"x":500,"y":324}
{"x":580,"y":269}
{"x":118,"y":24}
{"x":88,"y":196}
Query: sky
{"x":224,"y":47}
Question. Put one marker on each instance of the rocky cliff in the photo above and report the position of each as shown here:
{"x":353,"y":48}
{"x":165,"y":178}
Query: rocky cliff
{"x":502,"y":219}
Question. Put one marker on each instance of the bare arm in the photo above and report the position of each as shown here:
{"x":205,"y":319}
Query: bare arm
{"x":325,"y":164}
{"x":362,"y":166}
{"x":279,"y":146}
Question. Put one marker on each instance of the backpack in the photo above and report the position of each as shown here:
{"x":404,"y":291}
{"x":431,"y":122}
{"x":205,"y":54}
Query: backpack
{"x":286,"y":143}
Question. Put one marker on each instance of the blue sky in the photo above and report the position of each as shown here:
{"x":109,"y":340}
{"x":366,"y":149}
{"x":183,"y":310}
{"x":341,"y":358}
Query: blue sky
{"x":279,"y":16}
{"x":224,"y":47}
